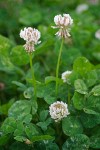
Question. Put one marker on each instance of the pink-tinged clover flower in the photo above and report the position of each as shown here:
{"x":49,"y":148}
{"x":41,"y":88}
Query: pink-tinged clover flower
{"x":63,"y":23}
{"x":31,"y":36}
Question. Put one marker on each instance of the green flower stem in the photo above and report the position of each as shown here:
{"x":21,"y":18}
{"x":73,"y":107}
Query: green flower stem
{"x":33,"y":76}
{"x":59,"y":134}
{"x":58,"y":64}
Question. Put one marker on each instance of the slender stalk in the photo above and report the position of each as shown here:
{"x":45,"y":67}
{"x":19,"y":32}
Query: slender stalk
{"x":59,"y":134}
{"x":33,"y":76}
{"x":58,"y":64}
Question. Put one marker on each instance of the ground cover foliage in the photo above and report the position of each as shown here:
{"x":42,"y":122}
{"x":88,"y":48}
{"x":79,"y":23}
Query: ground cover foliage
{"x":25,"y":124}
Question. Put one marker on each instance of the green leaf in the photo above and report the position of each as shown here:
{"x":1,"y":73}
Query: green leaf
{"x":42,"y":125}
{"x":50,"y":79}
{"x":52,"y":146}
{"x":49,"y":99}
{"x":42,"y":137}
{"x":34,"y":106}
{"x":31,"y":130}
{"x":45,"y":124}
{"x":6,"y":65}
{"x":19,"y":145}
{"x":93,"y":103}
{"x":43,"y":115}
{"x":89,"y":111}
{"x":27,"y":119}
{"x":80,"y":86}
{"x":9,"y":125}
{"x":5,"y":107}
{"x":40,"y":90}
{"x":4,"y":139}
{"x":47,"y":91}
{"x":43,"y":145}
{"x":91,"y":78}
{"x":82,"y":66}
{"x":63,"y":91}
{"x":90,"y":120}
{"x":5,"y":62}
{"x":19,"y":56}
{"x":40,"y":145}
{"x":95,"y":142}
{"x":73,"y":76}
{"x":50,"y":131}
{"x":20,"y":110}
{"x":96,"y":90}
{"x":48,"y":121}
{"x":77,"y":142}
{"x":28,"y":17}
{"x":71,"y":126}
{"x":20,"y":85}
{"x":78,"y":101}
{"x":20,"y":138}
{"x":19,"y":129}
{"x":5,"y":46}
{"x":71,"y":55}
{"x":43,"y":47}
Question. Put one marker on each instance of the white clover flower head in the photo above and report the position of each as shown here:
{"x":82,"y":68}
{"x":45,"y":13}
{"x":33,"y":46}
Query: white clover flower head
{"x":97,"y":34}
{"x":63,"y":23}
{"x":65,"y":75}
{"x":29,"y":47}
{"x":31,"y":36}
{"x":58,"y":110}
{"x":81,"y":8}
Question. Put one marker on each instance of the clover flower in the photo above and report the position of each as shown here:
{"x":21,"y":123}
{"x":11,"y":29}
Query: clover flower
{"x":63,"y":23}
{"x":97,"y":34}
{"x":65,"y":75}
{"x":81,"y":8}
{"x":31,"y":36}
{"x":58,"y":110}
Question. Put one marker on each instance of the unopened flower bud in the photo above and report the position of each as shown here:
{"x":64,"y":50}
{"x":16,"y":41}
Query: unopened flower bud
{"x":28,"y":142}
